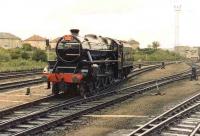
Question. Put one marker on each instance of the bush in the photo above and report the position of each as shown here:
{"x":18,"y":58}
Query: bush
{"x":39,"y":55}
{"x":15,"y":54}
{"x":27,"y":47}
{"x":4,"y":55}
{"x":25,"y":55}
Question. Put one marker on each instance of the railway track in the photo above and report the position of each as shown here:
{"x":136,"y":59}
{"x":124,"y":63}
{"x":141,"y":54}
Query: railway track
{"x":19,"y":122}
{"x":11,"y":85}
{"x":147,"y":63}
{"x":16,"y":84}
{"x":182,"y":120}
{"x":6,"y":86}
{"x":16,"y":74}
{"x":148,"y":68}
{"x":25,"y":73}
{"x":45,"y":99}
{"x":21,"y":71}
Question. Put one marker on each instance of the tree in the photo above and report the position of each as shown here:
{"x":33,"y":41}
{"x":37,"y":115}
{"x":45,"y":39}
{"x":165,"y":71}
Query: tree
{"x":39,"y":55}
{"x":155,"y":45}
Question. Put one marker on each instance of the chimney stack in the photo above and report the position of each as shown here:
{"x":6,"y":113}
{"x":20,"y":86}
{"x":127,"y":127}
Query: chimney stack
{"x":74,"y":32}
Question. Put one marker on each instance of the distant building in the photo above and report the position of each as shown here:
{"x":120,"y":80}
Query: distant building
{"x":36,"y":41}
{"x":182,"y":50}
{"x":54,"y":42}
{"x":134,"y":44}
{"x":192,"y":53}
{"x":9,"y":41}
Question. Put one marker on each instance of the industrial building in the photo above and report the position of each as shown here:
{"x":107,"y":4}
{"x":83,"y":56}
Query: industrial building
{"x":8,"y":41}
{"x":36,"y":41}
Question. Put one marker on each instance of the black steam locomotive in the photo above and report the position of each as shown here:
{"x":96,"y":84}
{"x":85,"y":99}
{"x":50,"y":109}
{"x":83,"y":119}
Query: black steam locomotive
{"x":86,"y":65}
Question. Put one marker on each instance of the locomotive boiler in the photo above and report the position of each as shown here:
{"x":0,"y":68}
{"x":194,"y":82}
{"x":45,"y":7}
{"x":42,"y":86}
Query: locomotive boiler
{"x":86,"y":65}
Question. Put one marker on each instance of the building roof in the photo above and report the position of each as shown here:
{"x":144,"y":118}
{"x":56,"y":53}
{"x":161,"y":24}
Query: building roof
{"x":55,"y":40}
{"x":180,"y":46}
{"x":4,"y":35}
{"x":35,"y":38}
{"x":133,"y":42}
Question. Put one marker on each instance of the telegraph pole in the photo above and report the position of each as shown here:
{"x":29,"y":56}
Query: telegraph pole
{"x":177,"y":10}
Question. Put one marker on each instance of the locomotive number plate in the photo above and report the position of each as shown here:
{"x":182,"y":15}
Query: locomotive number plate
{"x":68,"y":37}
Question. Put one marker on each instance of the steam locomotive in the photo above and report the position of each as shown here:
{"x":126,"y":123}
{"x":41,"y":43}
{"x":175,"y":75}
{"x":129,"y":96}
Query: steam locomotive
{"x":86,"y":65}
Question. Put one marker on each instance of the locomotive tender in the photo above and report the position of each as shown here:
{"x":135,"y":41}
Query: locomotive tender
{"x":86,"y":65}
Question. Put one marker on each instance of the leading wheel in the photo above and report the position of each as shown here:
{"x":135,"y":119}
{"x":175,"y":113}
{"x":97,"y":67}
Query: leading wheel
{"x":55,"y":89}
{"x":82,"y":90}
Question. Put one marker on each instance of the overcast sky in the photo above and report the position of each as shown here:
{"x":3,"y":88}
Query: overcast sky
{"x":142,"y":20}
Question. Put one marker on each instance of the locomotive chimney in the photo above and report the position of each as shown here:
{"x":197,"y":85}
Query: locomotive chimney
{"x":74,"y":32}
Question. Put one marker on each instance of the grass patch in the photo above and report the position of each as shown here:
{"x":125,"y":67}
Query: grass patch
{"x":21,"y":64}
{"x":149,"y":54}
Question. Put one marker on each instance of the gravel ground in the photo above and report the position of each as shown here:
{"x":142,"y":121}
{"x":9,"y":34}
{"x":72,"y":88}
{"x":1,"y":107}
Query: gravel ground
{"x":138,"y":111}
{"x":131,"y":113}
{"x":13,"y":98}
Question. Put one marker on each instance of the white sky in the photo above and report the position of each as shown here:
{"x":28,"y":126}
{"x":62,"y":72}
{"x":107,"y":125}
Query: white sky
{"x":142,"y":20}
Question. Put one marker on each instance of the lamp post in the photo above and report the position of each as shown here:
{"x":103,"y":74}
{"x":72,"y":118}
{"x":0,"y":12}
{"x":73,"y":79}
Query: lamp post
{"x":47,"y":47}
